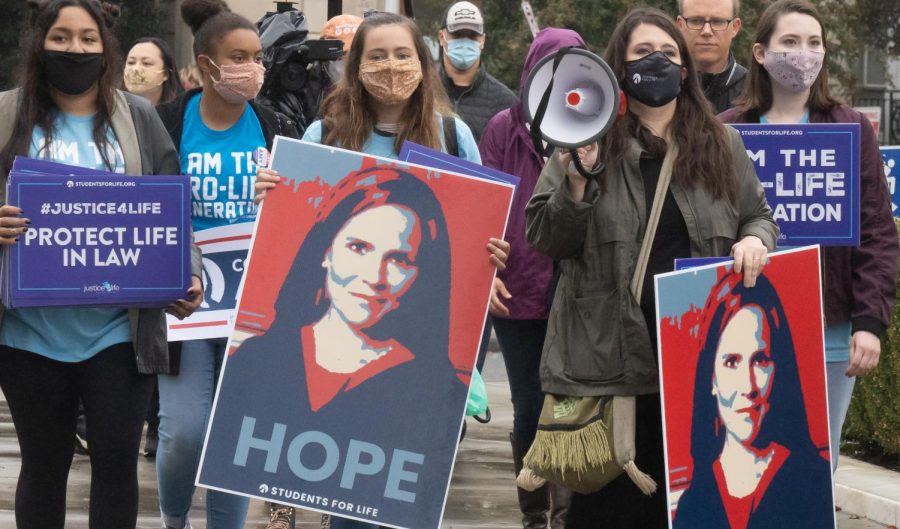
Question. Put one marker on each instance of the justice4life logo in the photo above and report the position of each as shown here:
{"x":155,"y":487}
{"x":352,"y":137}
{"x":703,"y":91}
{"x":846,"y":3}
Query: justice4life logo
{"x":106,"y":288}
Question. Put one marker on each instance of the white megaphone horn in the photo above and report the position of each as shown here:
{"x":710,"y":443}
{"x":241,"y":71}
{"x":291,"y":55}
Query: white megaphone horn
{"x":571,"y":99}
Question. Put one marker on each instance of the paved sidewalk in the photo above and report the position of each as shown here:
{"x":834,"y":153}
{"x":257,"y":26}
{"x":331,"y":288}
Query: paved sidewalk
{"x":482,"y":493}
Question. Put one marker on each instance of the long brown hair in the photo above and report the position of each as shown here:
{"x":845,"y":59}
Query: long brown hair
{"x":756,"y":97}
{"x":348,"y":112}
{"x":704,"y":149}
{"x":37,"y":108}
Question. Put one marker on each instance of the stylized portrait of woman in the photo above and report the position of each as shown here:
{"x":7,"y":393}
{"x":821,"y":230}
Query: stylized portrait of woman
{"x":363,"y":295}
{"x":755,"y":465}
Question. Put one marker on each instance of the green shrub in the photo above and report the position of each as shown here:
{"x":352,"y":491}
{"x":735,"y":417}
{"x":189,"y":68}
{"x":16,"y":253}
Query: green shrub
{"x":874,"y":416}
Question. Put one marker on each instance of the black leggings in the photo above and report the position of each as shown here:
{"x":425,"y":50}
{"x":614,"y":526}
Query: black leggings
{"x":43,"y":397}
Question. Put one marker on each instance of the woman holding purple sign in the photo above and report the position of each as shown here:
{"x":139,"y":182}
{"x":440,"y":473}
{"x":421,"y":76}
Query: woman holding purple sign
{"x":68,"y":110}
{"x":790,"y":49}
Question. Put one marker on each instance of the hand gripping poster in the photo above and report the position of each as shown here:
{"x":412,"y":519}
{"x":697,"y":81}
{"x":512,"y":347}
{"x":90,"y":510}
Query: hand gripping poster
{"x":742,"y":372}
{"x":361,"y":312}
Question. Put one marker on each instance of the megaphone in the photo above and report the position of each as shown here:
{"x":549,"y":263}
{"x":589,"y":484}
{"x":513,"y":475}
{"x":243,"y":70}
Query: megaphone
{"x":571,"y":99}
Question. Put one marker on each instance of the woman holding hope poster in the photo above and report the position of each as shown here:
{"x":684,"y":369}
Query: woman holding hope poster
{"x":389,"y":94}
{"x":68,"y":110}
{"x":790,"y":49}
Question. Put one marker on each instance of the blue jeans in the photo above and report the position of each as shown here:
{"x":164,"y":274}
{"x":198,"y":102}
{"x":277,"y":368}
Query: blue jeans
{"x":840,"y":390}
{"x":521,"y":342}
{"x":185,"y":402}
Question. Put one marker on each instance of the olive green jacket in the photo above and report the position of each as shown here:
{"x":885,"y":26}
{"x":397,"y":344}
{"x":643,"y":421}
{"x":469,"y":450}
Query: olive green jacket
{"x":147,"y":149}
{"x":597,"y":341}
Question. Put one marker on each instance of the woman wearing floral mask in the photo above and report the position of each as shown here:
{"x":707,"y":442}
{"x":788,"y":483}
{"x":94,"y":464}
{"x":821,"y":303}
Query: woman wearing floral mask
{"x":218,"y":131}
{"x":788,"y":83}
{"x":150,"y":71}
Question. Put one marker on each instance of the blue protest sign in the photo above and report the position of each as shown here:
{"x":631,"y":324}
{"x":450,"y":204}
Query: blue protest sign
{"x":99,"y":240}
{"x":696,"y":262}
{"x":420,"y":155}
{"x":810,"y":173}
{"x":891,"y":156}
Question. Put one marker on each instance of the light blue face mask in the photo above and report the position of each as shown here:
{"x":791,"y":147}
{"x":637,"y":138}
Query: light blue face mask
{"x":463,"y":53}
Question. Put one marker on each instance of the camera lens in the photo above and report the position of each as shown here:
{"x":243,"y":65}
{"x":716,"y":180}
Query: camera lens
{"x":293,"y":76}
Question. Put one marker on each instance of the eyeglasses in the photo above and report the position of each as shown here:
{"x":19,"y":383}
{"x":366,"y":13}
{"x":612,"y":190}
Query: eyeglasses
{"x":716,"y":24}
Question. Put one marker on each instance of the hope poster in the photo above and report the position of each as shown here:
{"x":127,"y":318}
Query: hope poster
{"x":810,"y":174}
{"x":742,"y":374}
{"x":358,"y":324}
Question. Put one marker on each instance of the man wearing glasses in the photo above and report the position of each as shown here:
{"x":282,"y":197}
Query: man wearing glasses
{"x":709,"y":27}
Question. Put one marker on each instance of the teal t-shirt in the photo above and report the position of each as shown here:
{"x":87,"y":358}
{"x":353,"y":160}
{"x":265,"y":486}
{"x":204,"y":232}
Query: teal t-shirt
{"x":382,"y":144}
{"x":222,"y":167}
{"x":63,"y":334}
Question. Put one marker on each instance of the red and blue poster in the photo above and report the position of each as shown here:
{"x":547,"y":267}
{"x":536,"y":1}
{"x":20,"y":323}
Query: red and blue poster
{"x":358,"y":324}
{"x":742,"y":374}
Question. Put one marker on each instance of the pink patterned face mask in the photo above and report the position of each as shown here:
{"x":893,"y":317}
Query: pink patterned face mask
{"x":239,"y":83}
{"x":795,"y":71}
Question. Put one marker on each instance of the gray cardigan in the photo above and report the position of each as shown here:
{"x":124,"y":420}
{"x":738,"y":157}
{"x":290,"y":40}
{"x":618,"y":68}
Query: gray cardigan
{"x":147,"y":149}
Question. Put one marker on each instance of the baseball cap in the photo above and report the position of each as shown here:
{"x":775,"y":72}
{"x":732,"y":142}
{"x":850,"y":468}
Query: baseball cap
{"x":464,"y":15}
{"x":342,"y":27}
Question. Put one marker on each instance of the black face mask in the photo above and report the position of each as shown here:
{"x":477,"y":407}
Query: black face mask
{"x":653,"y":80}
{"x":72,"y":73}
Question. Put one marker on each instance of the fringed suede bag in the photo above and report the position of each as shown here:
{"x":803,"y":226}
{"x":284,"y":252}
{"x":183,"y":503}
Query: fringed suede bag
{"x":583,"y":443}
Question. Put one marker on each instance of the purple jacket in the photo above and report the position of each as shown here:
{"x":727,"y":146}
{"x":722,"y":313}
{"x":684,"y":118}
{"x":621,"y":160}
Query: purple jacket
{"x":859,"y":284}
{"x":506,"y":145}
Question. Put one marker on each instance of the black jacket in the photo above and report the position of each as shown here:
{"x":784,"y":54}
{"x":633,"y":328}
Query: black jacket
{"x":273,"y":124}
{"x":723,"y":88}
{"x":481,"y":101}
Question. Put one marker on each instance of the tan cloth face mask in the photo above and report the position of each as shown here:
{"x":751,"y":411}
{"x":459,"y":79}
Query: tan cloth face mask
{"x":139,"y":79}
{"x":391,"y":81}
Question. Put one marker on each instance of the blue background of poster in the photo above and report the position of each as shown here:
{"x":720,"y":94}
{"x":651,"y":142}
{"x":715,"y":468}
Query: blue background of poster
{"x":161,"y":274}
{"x":844,"y":140}
{"x":891,"y":156}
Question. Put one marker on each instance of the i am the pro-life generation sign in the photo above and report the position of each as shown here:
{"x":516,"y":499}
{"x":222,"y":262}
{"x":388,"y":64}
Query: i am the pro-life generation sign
{"x":98,"y":240}
{"x":810,"y":173}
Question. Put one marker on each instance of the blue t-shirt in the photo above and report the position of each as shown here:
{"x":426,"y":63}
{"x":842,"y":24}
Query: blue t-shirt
{"x":76,"y":334}
{"x":222,"y":167}
{"x":382,"y":144}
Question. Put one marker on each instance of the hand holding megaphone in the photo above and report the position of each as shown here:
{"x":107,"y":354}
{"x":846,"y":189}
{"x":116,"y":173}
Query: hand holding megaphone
{"x":586,"y":156}
{"x":571,"y":99}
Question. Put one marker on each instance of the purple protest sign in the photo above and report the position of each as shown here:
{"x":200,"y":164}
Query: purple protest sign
{"x":99,"y":240}
{"x":810,"y":173}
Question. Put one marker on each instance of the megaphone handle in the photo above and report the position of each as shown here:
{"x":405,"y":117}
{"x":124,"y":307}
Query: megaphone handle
{"x":580,"y":167}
